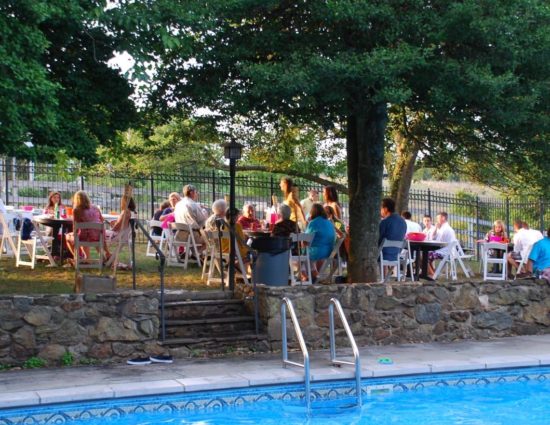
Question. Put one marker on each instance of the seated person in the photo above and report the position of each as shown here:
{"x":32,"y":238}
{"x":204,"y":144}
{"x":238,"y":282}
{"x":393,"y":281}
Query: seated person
{"x":392,"y":228}
{"x":539,"y":258}
{"x":284,"y":226}
{"x":127,"y":208}
{"x":85,"y":212}
{"x":524,"y":238}
{"x":248,"y":220}
{"x":429,"y":227}
{"x":157,"y":231}
{"x":339,"y":225}
{"x":54,"y":199}
{"x":173,"y":199}
{"x":443,"y":233}
{"x":189,"y":211}
{"x":323,"y":240}
{"x":497,"y":233}
{"x":240,"y":238}
{"x":412,"y":226}
{"x":219,"y":208}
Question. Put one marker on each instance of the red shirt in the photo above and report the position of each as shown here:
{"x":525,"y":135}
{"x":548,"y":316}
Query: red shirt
{"x":248,"y":223}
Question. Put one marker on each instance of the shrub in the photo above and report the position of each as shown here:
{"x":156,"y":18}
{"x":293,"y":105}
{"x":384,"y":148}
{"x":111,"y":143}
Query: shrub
{"x":34,"y":363}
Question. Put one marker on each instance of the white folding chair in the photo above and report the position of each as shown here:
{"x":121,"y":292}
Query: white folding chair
{"x":494,"y":261}
{"x":407,"y":260}
{"x":523,"y":261}
{"x":454,"y":254}
{"x":159,"y":240}
{"x":99,"y":245}
{"x":37,"y":247}
{"x":214,"y":242}
{"x":302,"y":259}
{"x":397,"y":263}
{"x":189,"y":245}
{"x":8,"y":246}
{"x":122,"y":238}
{"x":209,"y":253}
{"x":328,"y":267}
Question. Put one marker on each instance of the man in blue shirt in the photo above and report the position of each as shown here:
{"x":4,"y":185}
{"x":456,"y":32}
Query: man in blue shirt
{"x":392,"y":228}
{"x":539,"y":258}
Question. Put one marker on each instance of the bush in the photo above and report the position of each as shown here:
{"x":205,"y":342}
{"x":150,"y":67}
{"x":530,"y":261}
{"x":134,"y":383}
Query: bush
{"x":67,"y":359}
{"x":34,"y":363}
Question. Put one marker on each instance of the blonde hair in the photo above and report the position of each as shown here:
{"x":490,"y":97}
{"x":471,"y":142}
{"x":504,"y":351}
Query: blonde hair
{"x":81,"y":202}
{"x":502,"y":226}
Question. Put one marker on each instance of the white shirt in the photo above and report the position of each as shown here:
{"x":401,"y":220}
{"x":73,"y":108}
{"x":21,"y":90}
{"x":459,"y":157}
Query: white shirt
{"x":189,"y":212}
{"x":413,"y":227}
{"x":524,"y":240}
{"x":429,"y":232}
{"x":444,"y":234}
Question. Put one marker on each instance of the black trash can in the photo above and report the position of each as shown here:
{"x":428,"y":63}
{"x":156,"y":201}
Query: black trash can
{"x":272,"y":264}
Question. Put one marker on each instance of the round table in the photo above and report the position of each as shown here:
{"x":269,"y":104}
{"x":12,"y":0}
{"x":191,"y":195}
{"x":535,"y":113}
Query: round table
{"x":425,"y":247}
{"x":63,"y":224}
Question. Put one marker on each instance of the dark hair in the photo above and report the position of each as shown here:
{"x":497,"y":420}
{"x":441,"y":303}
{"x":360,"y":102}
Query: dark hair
{"x":406,"y":215}
{"x":525,"y":225}
{"x":289,"y":184}
{"x":329,"y":210}
{"x":317,"y":210}
{"x":518,"y":223}
{"x":330,"y":194}
{"x":428,"y":216}
{"x":132,"y":205}
{"x":443,"y":214}
{"x":236,"y":213}
{"x":548,"y":232}
{"x":389,"y":204}
{"x":164,"y":205}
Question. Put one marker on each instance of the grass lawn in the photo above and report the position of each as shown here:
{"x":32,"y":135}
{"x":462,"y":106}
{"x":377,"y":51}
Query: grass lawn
{"x":59,"y":280}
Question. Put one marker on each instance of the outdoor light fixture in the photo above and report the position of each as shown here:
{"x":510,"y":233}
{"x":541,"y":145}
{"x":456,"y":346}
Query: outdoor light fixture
{"x":232,"y":150}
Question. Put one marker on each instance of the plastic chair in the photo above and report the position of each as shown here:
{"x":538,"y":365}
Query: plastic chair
{"x":99,"y":245}
{"x":399,"y":262}
{"x":523,"y":260}
{"x":10,"y":236}
{"x":454,"y":254}
{"x":488,"y":260}
{"x":189,"y":245}
{"x":302,"y":259}
{"x":160,"y":240}
{"x":328,"y":268}
{"x":215,"y":255}
{"x":38,"y":247}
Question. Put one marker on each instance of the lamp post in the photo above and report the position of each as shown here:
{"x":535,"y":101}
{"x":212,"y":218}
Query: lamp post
{"x":232,"y":151}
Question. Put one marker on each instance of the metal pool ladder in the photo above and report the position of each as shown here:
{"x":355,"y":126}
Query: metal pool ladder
{"x":334,"y":303}
{"x":286,"y":303}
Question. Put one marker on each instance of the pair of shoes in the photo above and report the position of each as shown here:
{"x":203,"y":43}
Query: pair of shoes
{"x":149,"y":360}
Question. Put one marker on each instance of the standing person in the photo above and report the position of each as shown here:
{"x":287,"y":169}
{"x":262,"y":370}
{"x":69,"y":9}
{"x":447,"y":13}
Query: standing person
{"x":188,"y":211}
{"x":412,"y":226}
{"x":127,"y":209}
{"x":330,"y":196}
{"x":339,"y":225}
{"x":323,"y":240}
{"x":539,"y":258}
{"x":307,"y":203}
{"x":429,"y":228}
{"x":392,"y":228}
{"x":248,"y":220}
{"x":296,"y":213}
{"x":443,"y":233}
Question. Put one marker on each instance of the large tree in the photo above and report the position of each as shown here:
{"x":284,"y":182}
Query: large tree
{"x":56,"y":88}
{"x":328,"y":61}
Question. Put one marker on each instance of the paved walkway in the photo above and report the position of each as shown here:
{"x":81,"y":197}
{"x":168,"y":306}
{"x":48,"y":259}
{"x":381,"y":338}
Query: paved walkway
{"x":32,"y":387}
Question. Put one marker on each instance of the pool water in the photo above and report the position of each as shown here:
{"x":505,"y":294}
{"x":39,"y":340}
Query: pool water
{"x":515,"y":397}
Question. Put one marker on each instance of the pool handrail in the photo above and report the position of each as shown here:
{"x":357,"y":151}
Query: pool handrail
{"x":334,"y":303}
{"x":286,"y":303}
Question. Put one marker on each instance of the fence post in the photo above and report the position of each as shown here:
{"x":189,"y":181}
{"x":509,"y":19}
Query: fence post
{"x":81,"y":182}
{"x":477,"y":224}
{"x":6,"y":176}
{"x":272,"y":188}
{"x":429,"y":202}
{"x":541,"y":201}
{"x":152,"y":181}
{"x":213,"y":186}
{"x":507,"y":216}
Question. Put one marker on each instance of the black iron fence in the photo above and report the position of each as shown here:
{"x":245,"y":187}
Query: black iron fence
{"x":471,"y":216}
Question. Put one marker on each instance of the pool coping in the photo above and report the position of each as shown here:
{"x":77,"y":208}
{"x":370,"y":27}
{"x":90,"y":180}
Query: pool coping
{"x":273,"y":374}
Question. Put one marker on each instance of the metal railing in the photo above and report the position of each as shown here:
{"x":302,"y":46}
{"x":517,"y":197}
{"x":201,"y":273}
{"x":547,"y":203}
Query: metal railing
{"x":334,"y":303}
{"x":286,"y":303}
{"x":162,"y":264}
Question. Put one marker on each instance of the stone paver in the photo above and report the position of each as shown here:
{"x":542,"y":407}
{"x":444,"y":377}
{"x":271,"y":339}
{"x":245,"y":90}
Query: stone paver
{"x":31,"y":387}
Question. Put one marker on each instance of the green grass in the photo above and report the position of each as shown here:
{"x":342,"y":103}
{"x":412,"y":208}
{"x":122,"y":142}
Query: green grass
{"x":59,"y":280}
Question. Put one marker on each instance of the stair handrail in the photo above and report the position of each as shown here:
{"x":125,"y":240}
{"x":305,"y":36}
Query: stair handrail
{"x":135,"y":223}
{"x":334,"y":303}
{"x":286,"y":303}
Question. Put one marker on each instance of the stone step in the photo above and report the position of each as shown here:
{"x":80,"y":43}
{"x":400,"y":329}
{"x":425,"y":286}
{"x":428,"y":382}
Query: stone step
{"x":209,"y":321}
{"x":189,"y":310}
{"x":209,"y":327}
{"x":186,"y":295}
{"x":245,"y":342}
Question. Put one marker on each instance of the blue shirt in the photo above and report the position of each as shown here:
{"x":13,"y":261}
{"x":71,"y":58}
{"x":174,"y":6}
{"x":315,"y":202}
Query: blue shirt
{"x":392,"y":228}
{"x":540,"y":254}
{"x":323,"y":241}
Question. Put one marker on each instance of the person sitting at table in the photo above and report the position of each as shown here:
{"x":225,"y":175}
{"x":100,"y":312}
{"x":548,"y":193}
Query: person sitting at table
{"x":85,"y":212}
{"x":173,"y":199}
{"x":291,"y":199}
{"x":524,"y":238}
{"x":539,"y":258}
{"x":330,"y":196}
{"x":189,"y":211}
{"x":54,"y":199}
{"x":412,"y":226}
{"x":157,"y":231}
{"x":429,"y":228}
{"x":497,"y":233}
{"x":127,"y":208}
{"x":248,"y":219}
{"x":443,"y":233}
{"x":392,"y":227}
{"x":284,"y":226}
{"x":219,"y":208}
{"x":323,"y":239}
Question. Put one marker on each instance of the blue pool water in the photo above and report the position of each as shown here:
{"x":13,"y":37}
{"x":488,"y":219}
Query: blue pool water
{"x":520,"y":396}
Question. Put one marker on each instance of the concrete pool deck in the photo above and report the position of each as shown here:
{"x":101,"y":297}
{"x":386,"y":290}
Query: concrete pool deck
{"x":56,"y":385}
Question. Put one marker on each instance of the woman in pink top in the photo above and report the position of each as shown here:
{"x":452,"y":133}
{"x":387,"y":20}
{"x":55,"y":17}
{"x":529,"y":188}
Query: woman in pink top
{"x":85,"y":212}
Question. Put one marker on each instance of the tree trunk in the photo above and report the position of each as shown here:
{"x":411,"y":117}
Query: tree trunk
{"x":403,"y":171}
{"x":365,"y":156}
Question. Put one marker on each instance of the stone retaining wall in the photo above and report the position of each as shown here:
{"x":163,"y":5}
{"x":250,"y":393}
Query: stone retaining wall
{"x":413,"y":312}
{"x":100,"y":327}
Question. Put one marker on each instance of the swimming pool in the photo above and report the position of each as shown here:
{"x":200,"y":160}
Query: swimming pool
{"x":512,"y":396}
